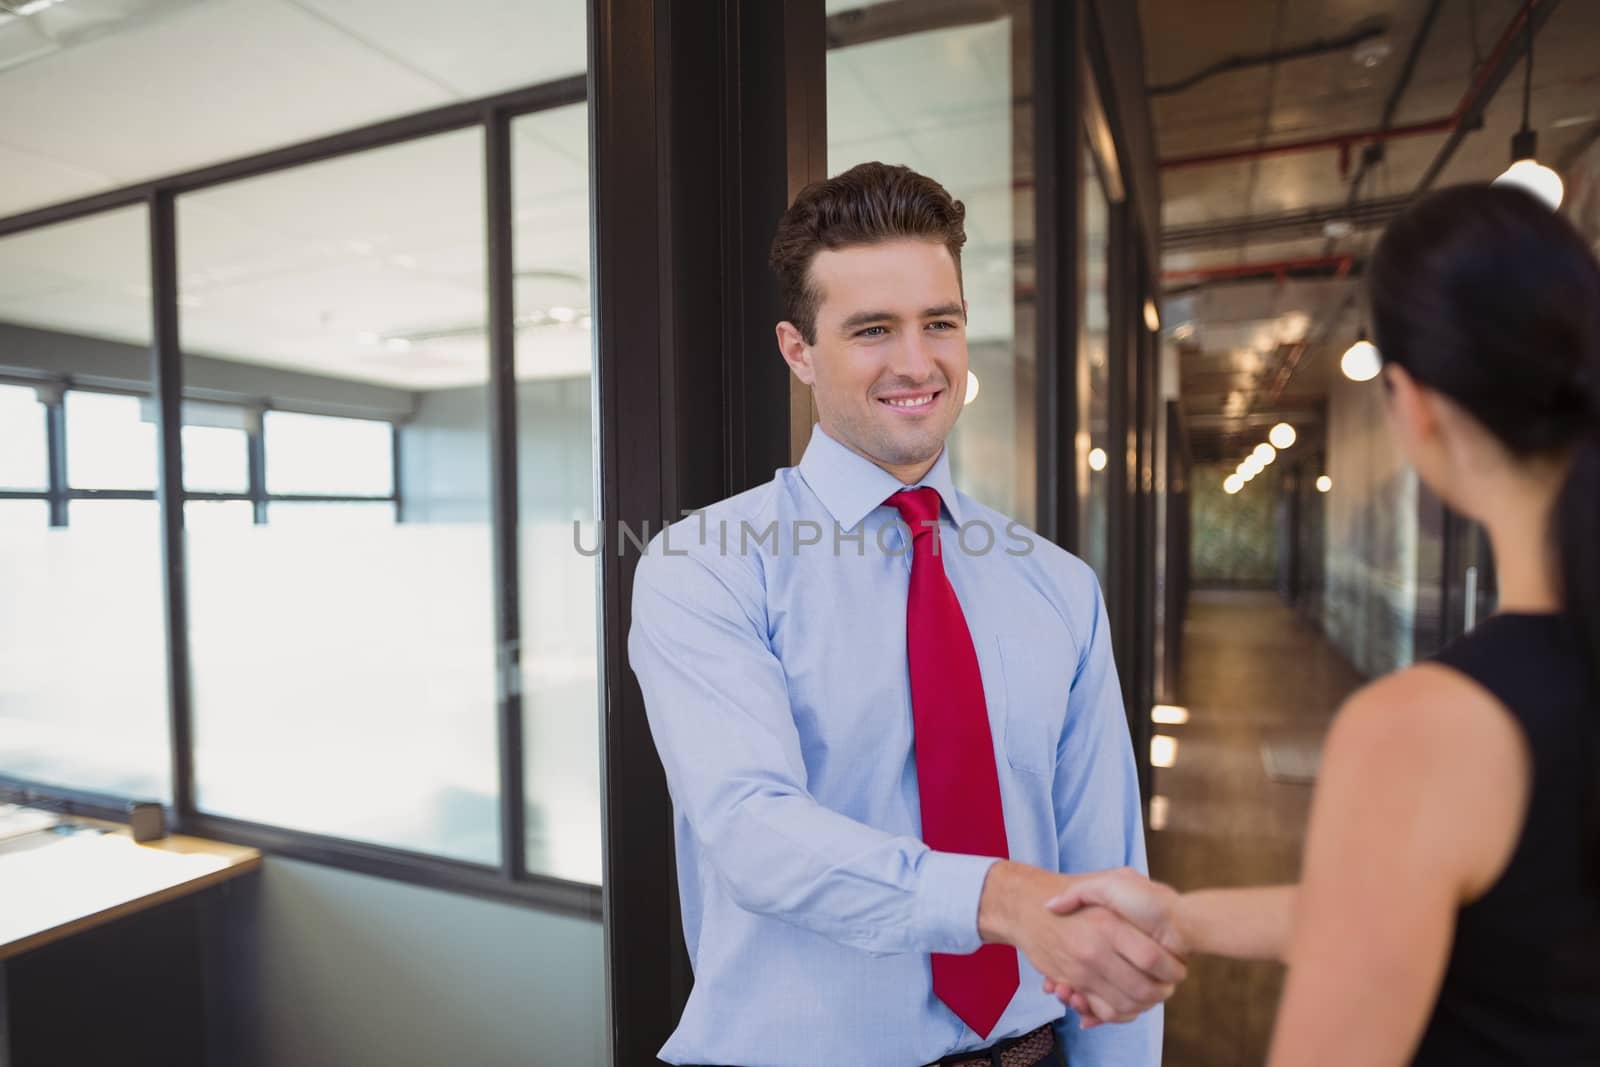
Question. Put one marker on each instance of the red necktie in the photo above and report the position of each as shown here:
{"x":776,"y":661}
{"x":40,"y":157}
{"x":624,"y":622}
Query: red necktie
{"x":956,"y":777}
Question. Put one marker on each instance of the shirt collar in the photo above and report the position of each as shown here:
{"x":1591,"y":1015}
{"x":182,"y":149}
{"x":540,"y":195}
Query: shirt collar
{"x":850,"y":485}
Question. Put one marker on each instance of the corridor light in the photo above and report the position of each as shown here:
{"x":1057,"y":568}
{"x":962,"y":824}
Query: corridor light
{"x":1531,"y":175}
{"x":1265,"y":453}
{"x":1282,"y":435}
{"x":1361,"y":362}
{"x":1526,"y":172}
{"x":1152,"y":318}
{"x":1232,"y":484}
{"x":1163,"y":751}
{"x":972,"y":388}
{"x":1169,"y":715}
{"x":1097,"y":459}
{"x":1251,"y":467}
{"x":1160,"y":812}
{"x":1324,"y":484}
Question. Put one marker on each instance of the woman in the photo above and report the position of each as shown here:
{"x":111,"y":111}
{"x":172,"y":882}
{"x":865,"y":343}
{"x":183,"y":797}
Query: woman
{"x":1449,"y":907}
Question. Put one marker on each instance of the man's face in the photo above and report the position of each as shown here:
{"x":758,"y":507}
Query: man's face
{"x":889,"y":366}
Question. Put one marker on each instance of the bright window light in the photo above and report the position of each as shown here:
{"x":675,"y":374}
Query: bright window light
{"x":1169,"y":715}
{"x":1163,"y":751}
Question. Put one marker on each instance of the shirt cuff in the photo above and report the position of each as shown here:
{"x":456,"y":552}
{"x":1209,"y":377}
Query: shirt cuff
{"x":947,"y":901}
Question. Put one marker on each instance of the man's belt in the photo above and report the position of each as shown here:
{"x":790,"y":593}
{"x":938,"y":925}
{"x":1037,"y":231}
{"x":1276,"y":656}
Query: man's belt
{"x":1025,"y":1051}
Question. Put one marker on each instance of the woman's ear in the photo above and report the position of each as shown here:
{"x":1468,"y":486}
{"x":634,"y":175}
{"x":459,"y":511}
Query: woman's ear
{"x":1412,"y":406}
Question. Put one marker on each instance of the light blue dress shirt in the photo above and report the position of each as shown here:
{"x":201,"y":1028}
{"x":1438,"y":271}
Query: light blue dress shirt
{"x":769,"y":639}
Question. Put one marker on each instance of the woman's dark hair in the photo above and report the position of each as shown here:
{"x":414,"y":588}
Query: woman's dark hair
{"x":1487,"y":296}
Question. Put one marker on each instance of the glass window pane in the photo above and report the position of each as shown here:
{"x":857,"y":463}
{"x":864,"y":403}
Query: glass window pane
{"x":954,"y":104}
{"x":83,"y":688}
{"x":218,"y":514}
{"x":334,"y":648}
{"x":555,"y":465}
{"x":1094,"y":374}
{"x":111,"y":442}
{"x":332,"y":519}
{"x":313,"y":454}
{"x":216,"y":459}
{"x":24,"y":446}
{"x":25,"y":516}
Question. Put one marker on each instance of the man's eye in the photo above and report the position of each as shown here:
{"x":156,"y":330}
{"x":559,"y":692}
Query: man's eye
{"x":874,"y":331}
{"x":941,"y":325}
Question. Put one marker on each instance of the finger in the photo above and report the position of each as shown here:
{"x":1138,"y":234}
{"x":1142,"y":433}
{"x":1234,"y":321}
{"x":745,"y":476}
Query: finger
{"x":1066,"y":903}
{"x":1129,"y":990}
{"x":1147,"y":956}
{"x":1103,"y":1011}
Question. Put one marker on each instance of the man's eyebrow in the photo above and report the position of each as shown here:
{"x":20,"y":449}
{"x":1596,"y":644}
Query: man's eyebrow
{"x":863,"y":318}
{"x":867,"y":318}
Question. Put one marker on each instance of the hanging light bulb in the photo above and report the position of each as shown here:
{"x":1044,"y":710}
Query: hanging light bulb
{"x":1529,"y":174}
{"x":1232,"y":484}
{"x":1526,"y":172}
{"x":1265,"y":453}
{"x":1361,"y":362}
{"x":1282,"y":436}
{"x":1324,"y":484}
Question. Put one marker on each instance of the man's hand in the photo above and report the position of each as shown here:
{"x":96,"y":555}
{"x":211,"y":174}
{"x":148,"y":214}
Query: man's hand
{"x":1148,"y":905}
{"x":1119,"y":970}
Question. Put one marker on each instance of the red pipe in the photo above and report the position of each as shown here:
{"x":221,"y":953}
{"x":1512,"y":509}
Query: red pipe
{"x":1345,"y":141}
{"x":1278,"y":267}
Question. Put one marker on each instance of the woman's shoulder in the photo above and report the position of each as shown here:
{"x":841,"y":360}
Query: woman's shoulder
{"x":1429,"y":752}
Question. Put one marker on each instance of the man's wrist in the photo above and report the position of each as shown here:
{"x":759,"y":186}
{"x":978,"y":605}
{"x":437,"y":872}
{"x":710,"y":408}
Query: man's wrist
{"x":1010,"y":888}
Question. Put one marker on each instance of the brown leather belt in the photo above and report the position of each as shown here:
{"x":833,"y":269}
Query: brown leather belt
{"x":1026,"y":1051}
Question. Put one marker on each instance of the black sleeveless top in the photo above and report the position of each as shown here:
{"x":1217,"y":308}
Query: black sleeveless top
{"x":1523,"y":981}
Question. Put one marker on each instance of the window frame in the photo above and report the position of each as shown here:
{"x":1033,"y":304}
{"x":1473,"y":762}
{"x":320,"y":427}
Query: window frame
{"x":510,"y":881}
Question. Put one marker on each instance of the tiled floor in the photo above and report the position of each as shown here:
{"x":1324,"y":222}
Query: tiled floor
{"x":1254,"y":675}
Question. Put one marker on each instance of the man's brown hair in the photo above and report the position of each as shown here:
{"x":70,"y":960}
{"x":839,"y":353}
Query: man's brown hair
{"x":866,"y":204}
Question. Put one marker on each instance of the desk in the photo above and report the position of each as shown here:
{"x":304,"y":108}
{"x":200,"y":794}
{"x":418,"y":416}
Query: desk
{"x":100,"y":944}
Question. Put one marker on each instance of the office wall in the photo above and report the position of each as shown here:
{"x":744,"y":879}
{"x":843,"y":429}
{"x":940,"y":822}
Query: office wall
{"x":317,"y":967}
{"x":1371,"y":559}
{"x":1235,"y":538}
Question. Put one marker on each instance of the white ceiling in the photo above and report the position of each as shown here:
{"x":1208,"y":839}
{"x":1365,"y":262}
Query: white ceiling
{"x":305,"y":268}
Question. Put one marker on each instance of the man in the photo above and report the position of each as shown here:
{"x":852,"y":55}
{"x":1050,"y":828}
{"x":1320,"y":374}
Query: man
{"x":888,"y":715}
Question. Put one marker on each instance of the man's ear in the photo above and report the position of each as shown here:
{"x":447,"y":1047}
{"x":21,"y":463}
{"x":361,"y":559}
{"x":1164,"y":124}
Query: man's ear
{"x":796,"y":352}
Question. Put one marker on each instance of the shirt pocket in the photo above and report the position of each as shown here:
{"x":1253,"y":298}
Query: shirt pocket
{"x":1037,"y":683}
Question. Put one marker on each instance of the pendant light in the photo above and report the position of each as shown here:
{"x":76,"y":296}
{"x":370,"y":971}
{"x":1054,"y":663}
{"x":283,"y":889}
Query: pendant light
{"x":1526,"y":172}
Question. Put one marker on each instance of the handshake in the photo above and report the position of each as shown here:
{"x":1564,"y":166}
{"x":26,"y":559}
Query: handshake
{"x":1109,"y":944}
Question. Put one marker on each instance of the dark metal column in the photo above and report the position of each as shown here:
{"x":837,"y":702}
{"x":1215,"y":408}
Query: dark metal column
{"x":503,"y":482}
{"x":1058,"y":210}
{"x":166,"y":376}
{"x":703,"y":118}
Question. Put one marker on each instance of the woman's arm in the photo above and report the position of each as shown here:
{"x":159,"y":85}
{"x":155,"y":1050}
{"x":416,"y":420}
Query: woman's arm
{"x":1250,"y":924}
{"x":1246,"y":924}
{"x":1419,"y":804}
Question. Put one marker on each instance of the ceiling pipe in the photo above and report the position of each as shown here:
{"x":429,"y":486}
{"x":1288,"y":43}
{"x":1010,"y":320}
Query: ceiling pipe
{"x":1279,"y":268}
{"x":1494,"y":72}
{"x":1484,"y":83}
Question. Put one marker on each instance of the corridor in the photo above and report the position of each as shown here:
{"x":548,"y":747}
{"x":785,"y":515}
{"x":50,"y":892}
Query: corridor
{"x":1261,"y":686}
